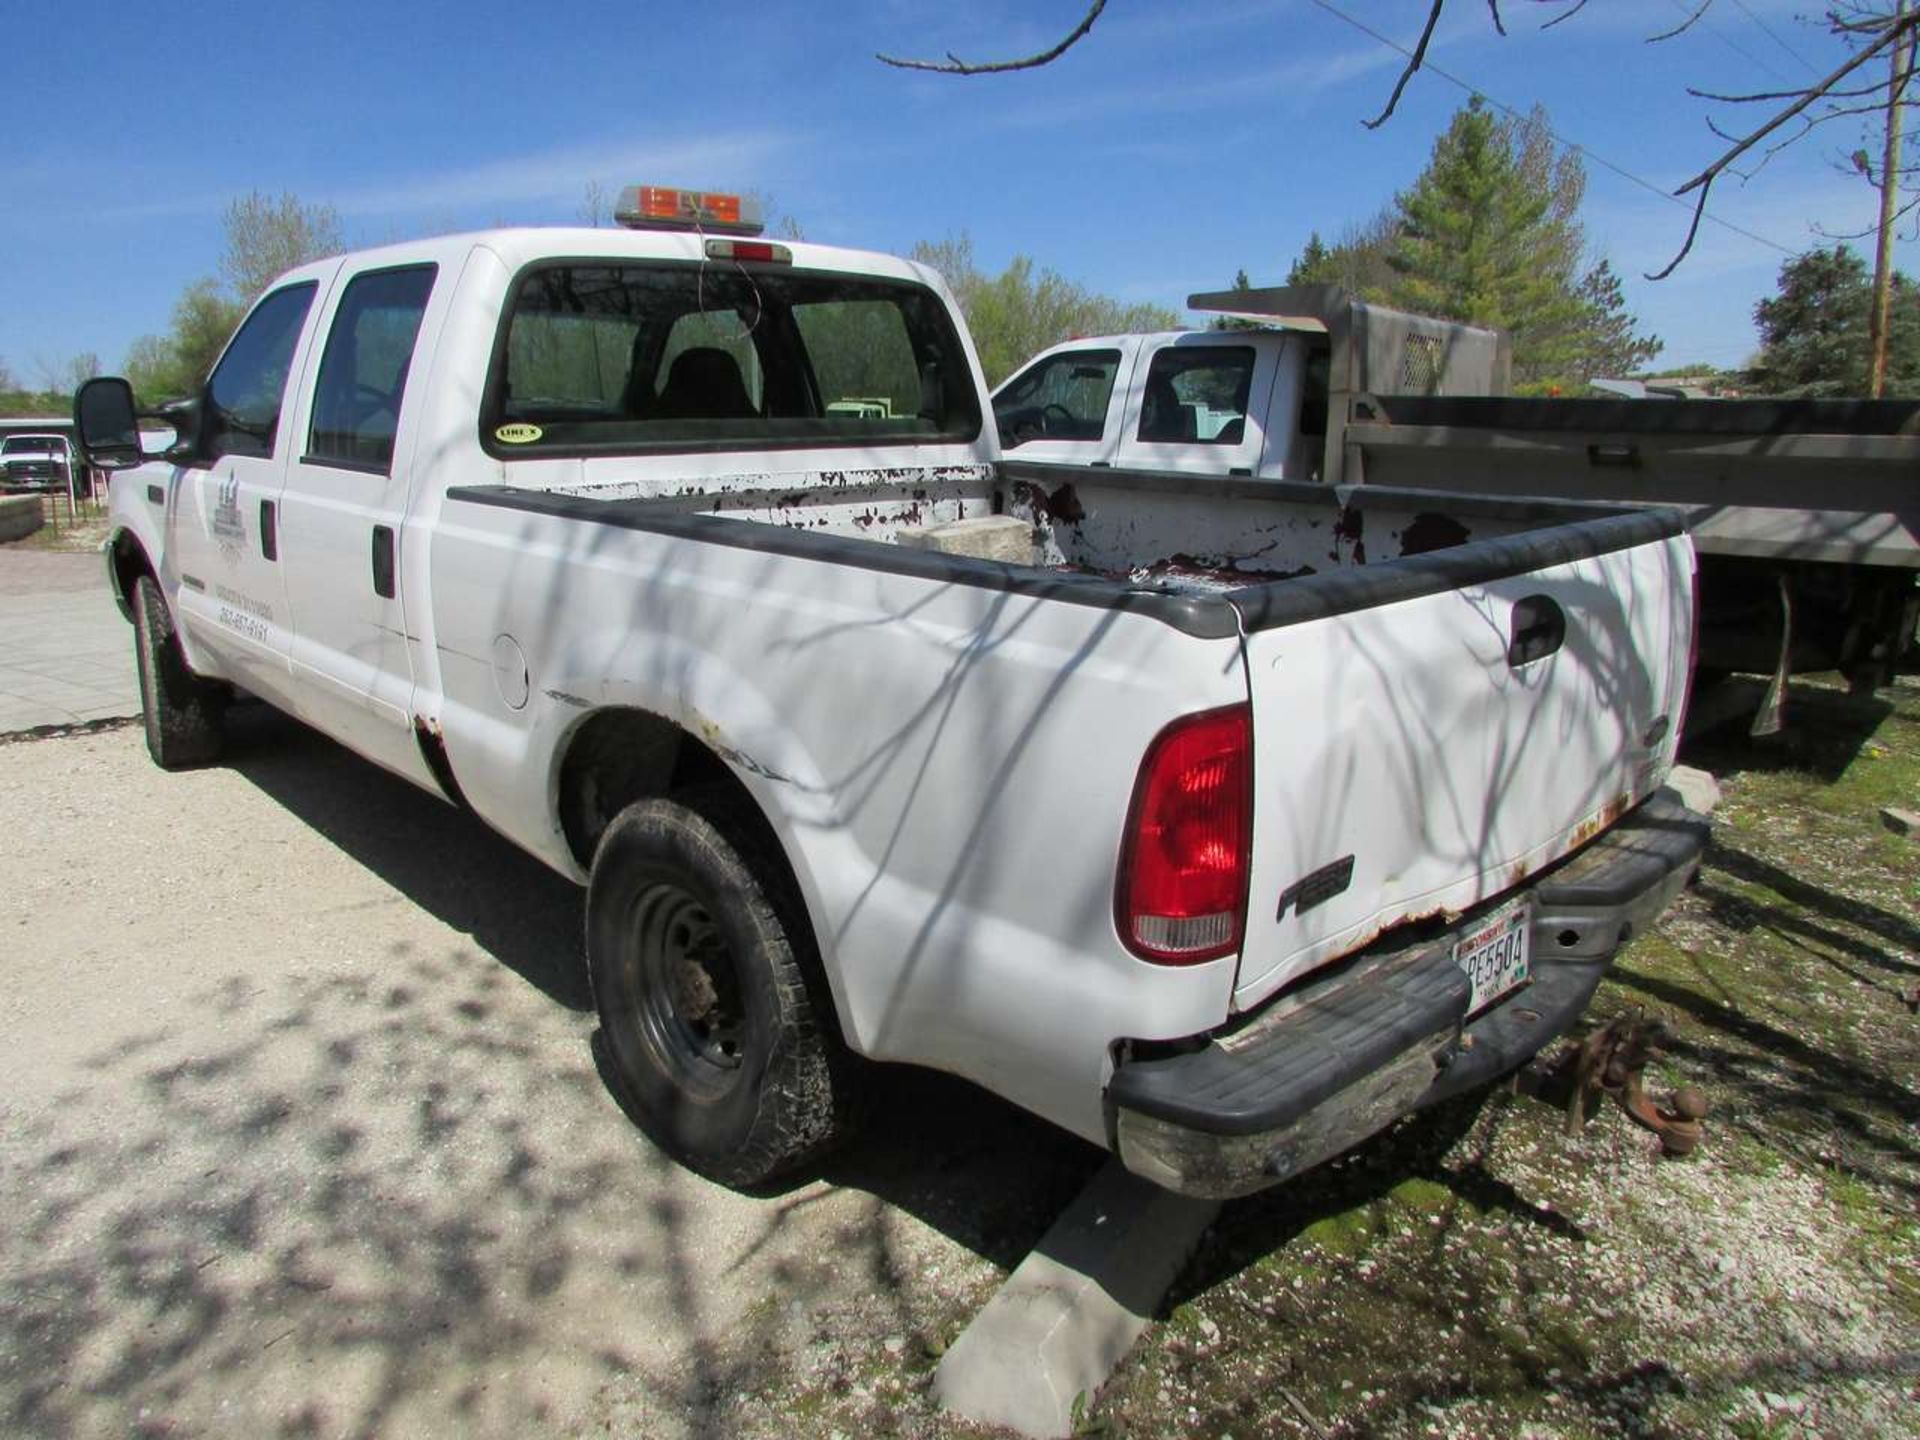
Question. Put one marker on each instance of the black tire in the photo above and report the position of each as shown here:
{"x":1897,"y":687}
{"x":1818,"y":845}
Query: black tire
{"x":182,"y":712}
{"x":715,"y":1024}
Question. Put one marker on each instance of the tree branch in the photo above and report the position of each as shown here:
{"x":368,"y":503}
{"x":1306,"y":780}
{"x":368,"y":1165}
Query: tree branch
{"x":1703,"y":182}
{"x":1693,"y":229}
{"x":1684,"y":26}
{"x":1414,"y":62}
{"x":954,"y":65}
{"x":1578,"y":6}
{"x":1892,"y":33}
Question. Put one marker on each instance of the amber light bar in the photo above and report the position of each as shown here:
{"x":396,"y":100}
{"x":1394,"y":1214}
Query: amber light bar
{"x":667,"y":207}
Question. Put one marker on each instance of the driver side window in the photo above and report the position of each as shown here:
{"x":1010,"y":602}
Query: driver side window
{"x":1064,"y":397}
{"x":247,"y":387}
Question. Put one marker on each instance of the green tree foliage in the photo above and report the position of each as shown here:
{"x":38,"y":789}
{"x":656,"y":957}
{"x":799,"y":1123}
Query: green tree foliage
{"x":1023,"y":310}
{"x":264,"y":237}
{"x":1234,"y":322}
{"x":58,"y":380}
{"x":1489,"y":234}
{"x":1357,"y":261}
{"x":1310,"y":266}
{"x":172,"y":366}
{"x":1813,"y":332}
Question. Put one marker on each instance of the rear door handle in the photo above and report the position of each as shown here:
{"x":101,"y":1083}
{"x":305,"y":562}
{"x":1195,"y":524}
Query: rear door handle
{"x":383,"y":561}
{"x":269,"y":534}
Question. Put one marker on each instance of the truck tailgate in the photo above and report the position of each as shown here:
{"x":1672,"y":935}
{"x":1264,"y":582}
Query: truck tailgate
{"x":1431,"y":731}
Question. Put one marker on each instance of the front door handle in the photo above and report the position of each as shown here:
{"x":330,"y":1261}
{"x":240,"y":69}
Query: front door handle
{"x":383,"y":561}
{"x":269,"y":534}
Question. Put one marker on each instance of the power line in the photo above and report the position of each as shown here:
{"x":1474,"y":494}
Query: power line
{"x":1557,"y":138}
{"x":1774,"y":36}
{"x":1699,"y":13}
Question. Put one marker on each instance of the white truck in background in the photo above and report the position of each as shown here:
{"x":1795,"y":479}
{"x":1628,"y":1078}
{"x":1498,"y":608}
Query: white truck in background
{"x":661,"y":550}
{"x":1805,"y":513}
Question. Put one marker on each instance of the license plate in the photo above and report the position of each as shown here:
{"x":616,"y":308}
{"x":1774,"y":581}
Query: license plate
{"x":1496,"y":955}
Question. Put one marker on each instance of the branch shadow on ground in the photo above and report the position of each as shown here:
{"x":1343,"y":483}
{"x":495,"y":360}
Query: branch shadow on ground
{"x":357,"y":1198}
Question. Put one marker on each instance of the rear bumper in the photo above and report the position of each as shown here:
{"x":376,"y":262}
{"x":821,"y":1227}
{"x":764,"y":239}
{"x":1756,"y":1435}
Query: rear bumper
{"x":1387,"y":1034}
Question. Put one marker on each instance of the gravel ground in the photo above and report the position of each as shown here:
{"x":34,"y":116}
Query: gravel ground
{"x":301,"y":1135}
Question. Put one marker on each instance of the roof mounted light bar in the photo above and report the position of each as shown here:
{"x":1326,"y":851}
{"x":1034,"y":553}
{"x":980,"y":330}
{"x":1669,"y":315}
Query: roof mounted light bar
{"x":666,"y":207}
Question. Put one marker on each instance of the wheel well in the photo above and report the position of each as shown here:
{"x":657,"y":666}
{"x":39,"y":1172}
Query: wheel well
{"x":128,"y":562}
{"x":620,"y":756}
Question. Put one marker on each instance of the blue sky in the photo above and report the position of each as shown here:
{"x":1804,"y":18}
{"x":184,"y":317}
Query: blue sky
{"x":1180,"y":142}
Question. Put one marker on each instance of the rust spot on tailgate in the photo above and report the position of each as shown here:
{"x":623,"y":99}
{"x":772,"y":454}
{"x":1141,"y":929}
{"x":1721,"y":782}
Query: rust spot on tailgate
{"x":1588,"y":829}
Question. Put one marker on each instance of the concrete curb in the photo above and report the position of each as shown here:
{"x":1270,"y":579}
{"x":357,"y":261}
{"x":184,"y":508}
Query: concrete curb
{"x":1697,"y":788}
{"x":1072,"y":1310}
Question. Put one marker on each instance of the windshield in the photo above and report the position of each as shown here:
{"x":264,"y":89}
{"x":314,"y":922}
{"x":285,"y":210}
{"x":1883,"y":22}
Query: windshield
{"x":598,"y":358}
{"x":38,"y":444}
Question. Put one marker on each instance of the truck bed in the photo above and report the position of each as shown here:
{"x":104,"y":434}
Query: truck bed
{"x":1209,"y":556}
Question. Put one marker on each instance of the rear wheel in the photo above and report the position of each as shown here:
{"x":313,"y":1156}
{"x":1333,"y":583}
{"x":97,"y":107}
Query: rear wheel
{"x":181,"y":712}
{"x":714,"y":1023}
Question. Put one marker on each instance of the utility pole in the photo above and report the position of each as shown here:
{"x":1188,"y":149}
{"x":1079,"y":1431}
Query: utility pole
{"x":1889,"y":200}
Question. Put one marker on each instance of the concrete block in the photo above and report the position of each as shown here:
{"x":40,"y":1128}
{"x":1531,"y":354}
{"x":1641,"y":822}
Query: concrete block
{"x":1697,"y":788}
{"x":1074,"y":1307}
{"x":986,"y":537}
{"x":1900,"y":821}
{"x":20,"y":516}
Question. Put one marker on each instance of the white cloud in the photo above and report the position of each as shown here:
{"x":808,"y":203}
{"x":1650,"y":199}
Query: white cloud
{"x":560,"y":175}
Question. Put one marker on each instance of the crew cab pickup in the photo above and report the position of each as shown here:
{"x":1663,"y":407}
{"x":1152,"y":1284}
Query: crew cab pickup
{"x":1167,"y":808}
{"x":35,"y":462}
{"x":1806,"y":514}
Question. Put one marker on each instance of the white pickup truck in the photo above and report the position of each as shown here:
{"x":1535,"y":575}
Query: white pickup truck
{"x":1805,"y":513}
{"x":686,"y":560}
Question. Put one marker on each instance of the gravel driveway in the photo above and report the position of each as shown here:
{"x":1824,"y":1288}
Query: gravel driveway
{"x":300,"y":1133}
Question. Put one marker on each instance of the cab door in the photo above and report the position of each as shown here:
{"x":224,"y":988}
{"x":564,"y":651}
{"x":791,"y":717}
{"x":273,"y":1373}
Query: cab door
{"x":341,"y":509}
{"x":1201,"y":407}
{"x":1065,"y":408}
{"x":220,"y":540}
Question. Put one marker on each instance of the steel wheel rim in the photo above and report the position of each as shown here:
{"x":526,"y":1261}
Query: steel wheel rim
{"x":688,"y":990}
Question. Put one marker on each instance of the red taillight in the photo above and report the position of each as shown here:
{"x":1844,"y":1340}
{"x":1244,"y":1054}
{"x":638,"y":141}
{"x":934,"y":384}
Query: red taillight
{"x":762,"y":251}
{"x":1182,"y":892}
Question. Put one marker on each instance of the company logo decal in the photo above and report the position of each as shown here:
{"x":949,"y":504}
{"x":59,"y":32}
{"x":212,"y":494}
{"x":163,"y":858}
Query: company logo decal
{"x":518,"y":434}
{"x":228,"y":526}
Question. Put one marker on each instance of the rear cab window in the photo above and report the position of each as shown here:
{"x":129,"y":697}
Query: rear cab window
{"x":634,"y":357}
{"x":1197,"y":395}
{"x":363,"y":370}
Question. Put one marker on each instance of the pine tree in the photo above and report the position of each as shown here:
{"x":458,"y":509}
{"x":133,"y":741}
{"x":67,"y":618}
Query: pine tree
{"x":1235,"y":322}
{"x":1489,"y":234}
{"x":1813,"y":333}
{"x":1313,"y":264}
{"x":1357,"y":261}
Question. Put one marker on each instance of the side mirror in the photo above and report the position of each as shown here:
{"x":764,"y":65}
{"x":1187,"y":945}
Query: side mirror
{"x":104,"y":417}
{"x":184,"y":416}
